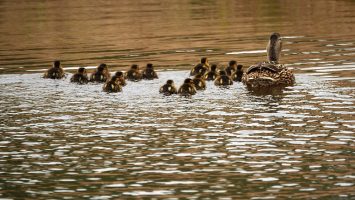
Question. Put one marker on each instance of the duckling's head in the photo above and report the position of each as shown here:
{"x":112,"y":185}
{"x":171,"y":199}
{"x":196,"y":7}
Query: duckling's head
{"x":232,"y":63}
{"x":169,"y":82}
{"x":239,"y":67}
{"x":134,"y":66}
{"x":274,"y":47}
{"x":101,"y":68}
{"x":222,"y":73}
{"x":119,"y":74}
{"x":203,"y":60}
{"x":149,"y":66}
{"x":114,"y":79}
{"x":56,"y":63}
{"x":81,"y":70}
{"x":213,"y":67}
{"x":188,"y":81}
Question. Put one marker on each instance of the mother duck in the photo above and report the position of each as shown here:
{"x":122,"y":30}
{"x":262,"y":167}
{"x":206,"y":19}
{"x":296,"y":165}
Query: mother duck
{"x":270,"y":74}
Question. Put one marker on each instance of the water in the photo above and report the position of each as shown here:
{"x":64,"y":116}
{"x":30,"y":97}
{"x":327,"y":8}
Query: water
{"x":64,"y":141}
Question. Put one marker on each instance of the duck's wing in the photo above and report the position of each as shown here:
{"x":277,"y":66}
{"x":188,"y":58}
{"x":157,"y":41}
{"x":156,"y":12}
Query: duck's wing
{"x":254,"y":68}
{"x":267,"y":66}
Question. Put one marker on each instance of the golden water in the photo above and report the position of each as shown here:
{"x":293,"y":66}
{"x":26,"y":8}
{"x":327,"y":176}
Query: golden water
{"x":63,"y":141}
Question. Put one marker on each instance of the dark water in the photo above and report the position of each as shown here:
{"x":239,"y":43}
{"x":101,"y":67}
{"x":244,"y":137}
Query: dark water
{"x":64,"y":141}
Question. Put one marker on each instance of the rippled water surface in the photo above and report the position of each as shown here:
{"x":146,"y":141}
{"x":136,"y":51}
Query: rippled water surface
{"x":64,"y":141}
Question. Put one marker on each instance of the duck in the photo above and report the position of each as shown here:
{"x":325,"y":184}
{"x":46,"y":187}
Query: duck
{"x":134,"y":74}
{"x":149,"y":73}
{"x":101,"y":74}
{"x":187,"y":88}
{"x":55,"y":72}
{"x":238,"y":75}
{"x":223,"y":79}
{"x":212,"y":74}
{"x":80,"y":76}
{"x":200,"y":68}
{"x":199,"y":82}
{"x":121,"y":78}
{"x":168,"y":88}
{"x":231,"y":67}
{"x":269,"y":74}
{"x":112,"y":86}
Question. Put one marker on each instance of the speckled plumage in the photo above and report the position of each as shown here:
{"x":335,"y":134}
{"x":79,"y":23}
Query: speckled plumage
{"x":268,"y":74}
{"x":271,"y":74}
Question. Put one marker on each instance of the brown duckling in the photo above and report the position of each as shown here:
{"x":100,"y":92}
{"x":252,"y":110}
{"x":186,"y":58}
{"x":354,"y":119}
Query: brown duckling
{"x":80,"y":76}
{"x":121,"y":78}
{"x":201,"y":68}
{"x":149,"y":72}
{"x":101,"y":74}
{"x":223,"y":79}
{"x":231,"y":67}
{"x":212,"y":75}
{"x":112,"y":85}
{"x":55,"y":72}
{"x":199,"y":82}
{"x":187,"y":88}
{"x":238,"y":75}
{"x":169,"y":88}
{"x":134,"y":73}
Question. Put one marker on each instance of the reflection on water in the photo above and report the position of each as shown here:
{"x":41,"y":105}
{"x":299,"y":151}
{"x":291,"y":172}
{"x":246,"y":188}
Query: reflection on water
{"x":173,"y":34}
{"x":63,"y":140}
{"x":60,"y":140}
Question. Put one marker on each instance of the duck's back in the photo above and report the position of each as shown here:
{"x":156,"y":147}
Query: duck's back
{"x":100,"y":77}
{"x":54,"y":73}
{"x":79,"y":78}
{"x":268,"y":74}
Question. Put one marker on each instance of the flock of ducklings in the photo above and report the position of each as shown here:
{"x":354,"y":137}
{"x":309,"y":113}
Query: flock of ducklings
{"x":263,"y":76}
{"x":202,"y":72}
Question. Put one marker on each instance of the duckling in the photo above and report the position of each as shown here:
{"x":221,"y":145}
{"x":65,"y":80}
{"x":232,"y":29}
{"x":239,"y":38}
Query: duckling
{"x":121,"y":78}
{"x":269,"y":74}
{"x":80,"y":77}
{"x":187,"y":88}
{"x":149,"y":72}
{"x":169,"y":88}
{"x":223,"y":79}
{"x":231,"y":67}
{"x":237,"y":76}
{"x":101,"y":74}
{"x":200,"y":68}
{"x":199,"y":82}
{"x":55,"y":72}
{"x":134,"y":73}
{"x":212,"y":75}
{"x":112,"y":85}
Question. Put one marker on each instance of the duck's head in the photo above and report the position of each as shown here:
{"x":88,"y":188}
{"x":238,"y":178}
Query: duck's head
{"x":56,"y":64}
{"x":188,"y":81}
{"x":101,"y":67}
{"x":232,"y":63}
{"x":222,"y":73}
{"x":213,"y":67}
{"x":119,"y":74}
{"x":134,"y":66}
{"x":204,"y":60}
{"x":169,"y":82}
{"x":274,"y":47}
{"x":82,"y":70}
{"x":149,"y":66}
{"x":114,"y":79}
